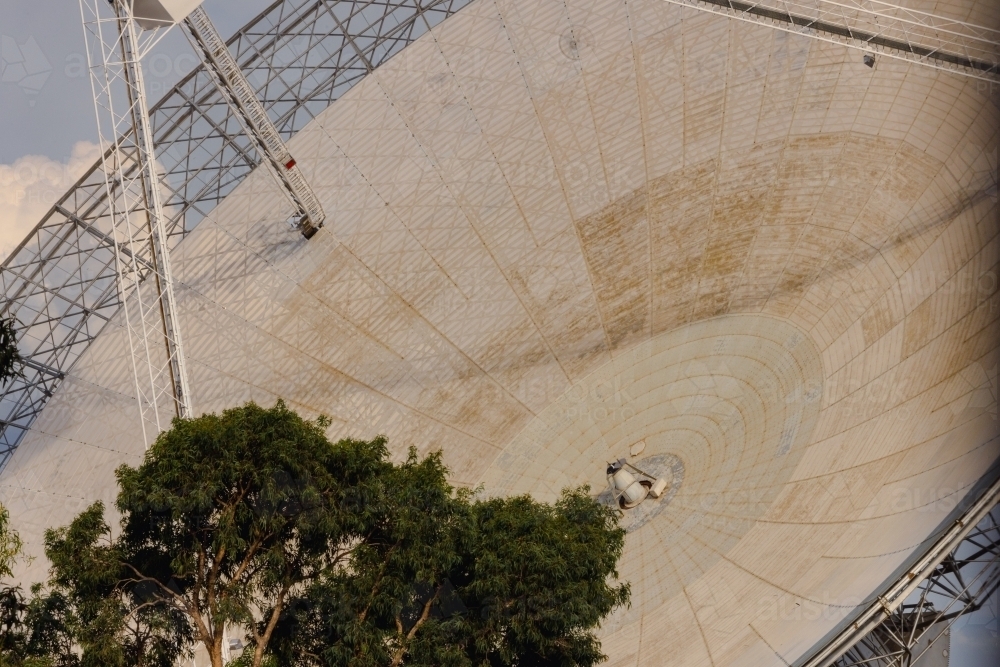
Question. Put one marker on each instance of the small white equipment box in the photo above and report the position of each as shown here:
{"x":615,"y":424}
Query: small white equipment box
{"x":150,"y":14}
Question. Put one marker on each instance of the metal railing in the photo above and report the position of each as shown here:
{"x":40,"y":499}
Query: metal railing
{"x":877,"y":27}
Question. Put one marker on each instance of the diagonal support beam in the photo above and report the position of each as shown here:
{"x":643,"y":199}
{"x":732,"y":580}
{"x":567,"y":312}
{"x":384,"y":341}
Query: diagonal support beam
{"x":105,"y":239}
{"x":235,"y":88}
{"x":890,"y":629}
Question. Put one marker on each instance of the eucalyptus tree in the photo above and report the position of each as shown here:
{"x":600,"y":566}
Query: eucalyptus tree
{"x":11,"y":600}
{"x":225,"y":518}
{"x":451,"y":581}
{"x":10,"y":359}
{"x":10,"y":545}
{"x":25,"y":635}
{"x":230,"y":514}
{"x":318,"y":553}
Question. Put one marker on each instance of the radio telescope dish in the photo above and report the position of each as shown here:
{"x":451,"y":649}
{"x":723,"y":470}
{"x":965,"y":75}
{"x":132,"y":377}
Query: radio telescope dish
{"x":774,"y":266}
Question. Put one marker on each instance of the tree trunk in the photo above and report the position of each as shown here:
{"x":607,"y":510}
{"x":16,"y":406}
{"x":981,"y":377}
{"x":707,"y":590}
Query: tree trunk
{"x":215,"y":654}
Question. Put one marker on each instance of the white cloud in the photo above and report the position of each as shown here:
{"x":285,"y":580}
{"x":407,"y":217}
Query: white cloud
{"x":30,"y":186}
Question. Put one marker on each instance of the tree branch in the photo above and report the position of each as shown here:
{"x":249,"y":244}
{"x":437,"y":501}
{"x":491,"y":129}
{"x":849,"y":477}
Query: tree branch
{"x":262,"y":641}
{"x":398,"y":657}
{"x":378,"y":582}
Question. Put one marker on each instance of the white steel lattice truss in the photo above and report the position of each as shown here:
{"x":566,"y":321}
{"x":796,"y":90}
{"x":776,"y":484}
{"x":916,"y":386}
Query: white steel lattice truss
{"x":955,"y":576}
{"x":878,"y":27}
{"x":961,"y":584}
{"x":116,"y":45}
{"x":299,"y":56}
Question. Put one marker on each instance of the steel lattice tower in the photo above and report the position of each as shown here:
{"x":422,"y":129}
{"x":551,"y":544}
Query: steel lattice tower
{"x":116,"y":44}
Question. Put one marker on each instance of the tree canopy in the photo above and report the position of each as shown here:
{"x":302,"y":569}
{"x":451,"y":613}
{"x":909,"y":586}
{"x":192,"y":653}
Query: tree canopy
{"x":13,"y":609}
{"x":10,"y":358}
{"x":10,"y":545}
{"x":450,"y":581}
{"x":252,"y":522}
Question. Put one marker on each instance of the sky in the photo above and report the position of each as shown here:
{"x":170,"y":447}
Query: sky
{"x":48,"y":139}
{"x":974,"y":641}
{"x":48,"y":130}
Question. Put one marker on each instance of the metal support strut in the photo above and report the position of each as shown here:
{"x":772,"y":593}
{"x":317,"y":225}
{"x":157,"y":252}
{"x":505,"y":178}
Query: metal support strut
{"x":961,"y":584}
{"x":874,"y":26}
{"x":115,"y":47}
{"x":912,"y":619}
{"x":242,"y":99}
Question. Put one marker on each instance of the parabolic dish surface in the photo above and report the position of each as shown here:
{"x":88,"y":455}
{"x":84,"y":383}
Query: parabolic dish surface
{"x":556,"y":229}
